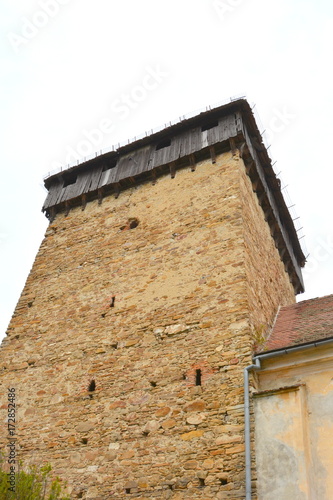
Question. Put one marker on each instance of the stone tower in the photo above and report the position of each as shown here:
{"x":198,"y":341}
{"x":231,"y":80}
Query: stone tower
{"x":164,"y":262}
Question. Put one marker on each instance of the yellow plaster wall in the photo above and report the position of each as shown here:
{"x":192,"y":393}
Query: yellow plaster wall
{"x":297,"y":425}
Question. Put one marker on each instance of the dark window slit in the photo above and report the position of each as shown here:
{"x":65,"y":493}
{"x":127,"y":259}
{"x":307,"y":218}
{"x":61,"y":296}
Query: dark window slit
{"x":92,"y":386}
{"x":69,"y":179}
{"x":209,"y":126}
{"x":163,"y":144}
{"x":202,"y":482}
{"x":198,"y":377}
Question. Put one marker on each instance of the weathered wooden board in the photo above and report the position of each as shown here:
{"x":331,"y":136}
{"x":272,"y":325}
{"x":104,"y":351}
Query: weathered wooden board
{"x":82,"y":181}
{"x":168,"y":154}
{"x":53,"y":194}
{"x":213,"y":135}
{"x":134,"y":163}
{"x":107,"y":177}
{"x":95,"y":178}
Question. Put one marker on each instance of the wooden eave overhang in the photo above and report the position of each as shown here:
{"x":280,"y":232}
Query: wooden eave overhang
{"x":228,"y":127}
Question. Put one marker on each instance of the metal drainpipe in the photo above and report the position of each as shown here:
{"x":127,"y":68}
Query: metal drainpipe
{"x":257,"y":366}
{"x":247,"y":369}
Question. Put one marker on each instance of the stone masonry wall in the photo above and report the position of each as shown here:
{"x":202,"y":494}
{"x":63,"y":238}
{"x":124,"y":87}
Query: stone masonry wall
{"x":159,"y":317}
{"x":268,"y":283}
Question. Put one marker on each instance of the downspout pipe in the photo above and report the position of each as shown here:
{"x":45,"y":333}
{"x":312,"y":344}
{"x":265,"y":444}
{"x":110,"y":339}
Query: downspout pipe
{"x":247,"y":369}
{"x":257,"y":366}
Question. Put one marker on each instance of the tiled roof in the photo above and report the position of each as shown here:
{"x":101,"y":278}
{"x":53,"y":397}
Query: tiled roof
{"x":302,"y":323}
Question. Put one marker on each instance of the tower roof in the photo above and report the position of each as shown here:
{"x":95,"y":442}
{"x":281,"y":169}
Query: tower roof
{"x":228,"y":127}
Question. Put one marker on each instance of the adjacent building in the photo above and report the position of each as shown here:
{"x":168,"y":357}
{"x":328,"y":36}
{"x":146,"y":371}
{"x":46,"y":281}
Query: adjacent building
{"x":294,"y":404}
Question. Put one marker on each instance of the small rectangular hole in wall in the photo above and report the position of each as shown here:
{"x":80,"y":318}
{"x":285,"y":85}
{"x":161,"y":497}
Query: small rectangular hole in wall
{"x":109,"y":165}
{"x":210,"y":125}
{"x":69,"y":179}
{"x":92,"y":386}
{"x":198,"y":377}
{"x":163,"y":144}
{"x":128,"y":490}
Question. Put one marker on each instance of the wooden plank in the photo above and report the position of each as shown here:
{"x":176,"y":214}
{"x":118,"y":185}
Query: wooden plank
{"x":239,"y":122}
{"x":83,"y":201}
{"x":232,"y":128}
{"x":67,"y":207}
{"x":204,"y":139}
{"x":175,"y":149}
{"x":162,"y":156}
{"x":52,"y":195}
{"x":85,"y":182}
{"x":213,"y":135}
{"x":195,"y":140}
{"x":82,"y":182}
{"x":59,"y":190}
{"x":212,"y":154}
{"x":233,"y":146}
{"x":117,"y":189}
{"x":249,"y":165}
{"x":70,"y":191}
{"x":227,"y":128}
{"x":53,"y":213}
{"x":172,"y":168}
{"x":146,"y":159}
{"x":62,"y":196}
{"x":100,"y":195}
{"x":223,"y":129}
{"x":261,"y":198}
{"x":95,"y":178}
{"x":192,"y":162}
{"x":107,"y":177}
{"x":133,"y":164}
{"x":242,"y":149}
{"x":125,"y":167}
{"x":184,"y":145}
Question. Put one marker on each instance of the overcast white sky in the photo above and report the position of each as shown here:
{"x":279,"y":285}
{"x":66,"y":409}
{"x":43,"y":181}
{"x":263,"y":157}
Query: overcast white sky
{"x":78,"y":76}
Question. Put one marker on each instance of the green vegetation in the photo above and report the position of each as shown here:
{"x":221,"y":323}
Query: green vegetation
{"x":35,"y":483}
{"x":259,"y":335}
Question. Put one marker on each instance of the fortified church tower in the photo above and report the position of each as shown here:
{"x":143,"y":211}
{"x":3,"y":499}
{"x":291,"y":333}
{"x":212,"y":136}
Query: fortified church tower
{"x":164,"y":262}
